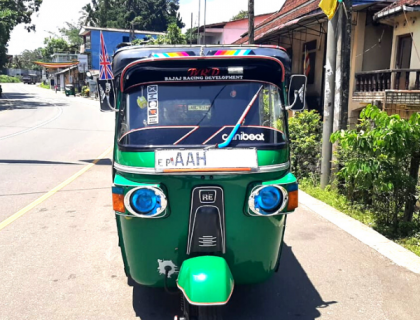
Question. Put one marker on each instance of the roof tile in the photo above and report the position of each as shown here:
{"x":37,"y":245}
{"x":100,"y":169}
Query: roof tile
{"x":286,"y":14}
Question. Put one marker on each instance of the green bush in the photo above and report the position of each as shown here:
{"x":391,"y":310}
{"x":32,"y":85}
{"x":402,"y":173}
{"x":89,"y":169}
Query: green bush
{"x":377,"y":170}
{"x":8,"y":79}
{"x":305,"y":135}
{"x":45,"y":86}
{"x":379,"y":164}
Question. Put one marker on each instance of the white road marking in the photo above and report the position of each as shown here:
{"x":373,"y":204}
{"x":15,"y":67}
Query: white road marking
{"x":363,"y":233}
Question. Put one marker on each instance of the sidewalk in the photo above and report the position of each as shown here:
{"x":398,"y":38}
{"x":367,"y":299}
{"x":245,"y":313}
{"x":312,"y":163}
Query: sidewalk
{"x":388,"y":248}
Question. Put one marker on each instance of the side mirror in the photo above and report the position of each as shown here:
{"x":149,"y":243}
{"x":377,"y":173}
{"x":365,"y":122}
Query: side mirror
{"x":297,"y":92}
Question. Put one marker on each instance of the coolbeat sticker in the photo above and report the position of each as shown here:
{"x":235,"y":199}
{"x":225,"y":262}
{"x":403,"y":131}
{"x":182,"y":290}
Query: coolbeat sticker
{"x":152,"y":105}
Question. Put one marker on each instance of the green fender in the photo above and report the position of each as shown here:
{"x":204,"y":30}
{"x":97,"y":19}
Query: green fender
{"x":206,"y":280}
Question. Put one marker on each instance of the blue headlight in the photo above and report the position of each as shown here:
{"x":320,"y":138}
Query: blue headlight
{"x":145,"y":201}
{"x":269,"y":199}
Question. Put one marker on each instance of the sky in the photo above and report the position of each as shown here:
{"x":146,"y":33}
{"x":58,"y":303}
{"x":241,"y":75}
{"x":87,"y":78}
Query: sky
{"x":53,"y":14}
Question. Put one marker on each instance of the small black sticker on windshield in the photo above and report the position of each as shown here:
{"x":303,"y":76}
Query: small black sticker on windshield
{"x":152,"y":105}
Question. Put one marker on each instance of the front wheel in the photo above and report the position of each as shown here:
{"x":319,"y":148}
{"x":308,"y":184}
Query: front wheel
{"x":210,"y":313}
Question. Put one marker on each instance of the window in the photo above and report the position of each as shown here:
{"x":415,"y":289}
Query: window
{"x":211,"y":109}
{"x":126,"y":39}
{"x":308,"y":60}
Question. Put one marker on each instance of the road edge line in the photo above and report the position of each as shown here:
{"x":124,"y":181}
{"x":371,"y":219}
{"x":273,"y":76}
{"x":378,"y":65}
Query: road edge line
{"x":50,"y":193}
{"x":386,"y":247}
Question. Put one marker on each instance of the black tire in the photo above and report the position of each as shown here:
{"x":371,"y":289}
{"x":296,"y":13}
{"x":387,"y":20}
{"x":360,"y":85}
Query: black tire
{"x":210,"y":313}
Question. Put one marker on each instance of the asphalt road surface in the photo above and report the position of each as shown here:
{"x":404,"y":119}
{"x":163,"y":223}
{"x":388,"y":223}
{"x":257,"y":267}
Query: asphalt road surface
{"x":60,"y":260}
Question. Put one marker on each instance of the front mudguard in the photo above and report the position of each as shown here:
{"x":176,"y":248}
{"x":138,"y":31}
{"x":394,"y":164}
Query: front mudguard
{"x":206,"y":280}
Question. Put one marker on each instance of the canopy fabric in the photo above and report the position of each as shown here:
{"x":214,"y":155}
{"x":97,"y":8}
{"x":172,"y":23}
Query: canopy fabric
{"x":56,"y":65}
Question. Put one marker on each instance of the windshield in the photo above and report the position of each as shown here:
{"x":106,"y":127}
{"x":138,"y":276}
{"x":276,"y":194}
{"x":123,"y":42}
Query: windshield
{"x":204,"y":113}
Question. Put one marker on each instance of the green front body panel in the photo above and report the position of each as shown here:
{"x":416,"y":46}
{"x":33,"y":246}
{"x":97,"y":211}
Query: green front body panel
{"x":206,"y":280}
{"x":252,"y":243}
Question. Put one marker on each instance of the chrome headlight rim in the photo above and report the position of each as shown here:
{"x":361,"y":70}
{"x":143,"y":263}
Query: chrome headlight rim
{"x":256,"y":211}
{"x":158,"y":192}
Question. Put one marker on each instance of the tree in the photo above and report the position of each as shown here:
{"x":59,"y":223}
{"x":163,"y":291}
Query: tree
{"x":240,"y":15}
{"x":54,"y":45}
{"x":191,"y":35}
{"x":12,"y":13}
{"x":26,"y":59}
{"x":71,"y":32}
{"x":152,"y":15}
{"x":173,"y":36}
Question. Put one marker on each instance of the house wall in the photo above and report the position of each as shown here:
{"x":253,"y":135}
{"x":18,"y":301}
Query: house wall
{"x":402,"y":27}
{"x":315,"y":90}
{"x":213,"y":36}
{"x":367,"y":54}
{"x":234,"y":29}
{"x":379,"y":55}
{"x":112,"y":39}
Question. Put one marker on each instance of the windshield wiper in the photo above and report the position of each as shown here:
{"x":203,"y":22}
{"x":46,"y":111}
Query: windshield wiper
{"x":240,"y":121}
{"x":211,"y":105}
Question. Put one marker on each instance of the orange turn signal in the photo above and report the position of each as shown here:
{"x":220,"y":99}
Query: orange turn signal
{"x":293,"y":200}
{"x":118,"y":202}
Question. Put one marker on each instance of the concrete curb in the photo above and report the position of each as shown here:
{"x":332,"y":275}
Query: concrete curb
{"x":368,"y":236}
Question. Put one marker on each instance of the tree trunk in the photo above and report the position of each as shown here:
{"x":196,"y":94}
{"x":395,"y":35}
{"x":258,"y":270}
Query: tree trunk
{"x":251,"y":21}
{"x":411,"y":202}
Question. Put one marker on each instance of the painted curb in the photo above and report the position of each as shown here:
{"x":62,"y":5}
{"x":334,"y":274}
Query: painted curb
{"x":396,"y":253}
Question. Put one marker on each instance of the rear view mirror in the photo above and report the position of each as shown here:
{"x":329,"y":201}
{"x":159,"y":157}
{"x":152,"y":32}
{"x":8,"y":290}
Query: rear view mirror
{"x":297,"y":93}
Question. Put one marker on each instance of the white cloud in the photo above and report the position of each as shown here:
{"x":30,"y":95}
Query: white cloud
{"x":51,"y":16}
{"x":223,"y":10}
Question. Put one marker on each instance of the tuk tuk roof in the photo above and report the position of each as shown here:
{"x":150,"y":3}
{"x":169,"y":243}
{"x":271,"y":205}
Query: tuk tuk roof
{"x":127,"y":55}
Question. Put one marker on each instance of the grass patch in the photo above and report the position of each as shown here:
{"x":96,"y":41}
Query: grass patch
{"x":340,"y":202}
{"x":45,"y":86}
{"x":8,"y":79}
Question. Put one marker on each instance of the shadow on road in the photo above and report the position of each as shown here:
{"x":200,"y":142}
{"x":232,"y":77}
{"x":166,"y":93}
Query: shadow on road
{"x":102,"y":162}
{"x":13,"y":101}
{"x":288,"y":295}
{"x":42,"y":162}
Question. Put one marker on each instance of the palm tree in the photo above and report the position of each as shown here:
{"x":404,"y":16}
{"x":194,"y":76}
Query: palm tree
{"x":89,"y":14}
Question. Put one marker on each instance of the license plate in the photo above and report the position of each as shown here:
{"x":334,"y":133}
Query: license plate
{"x":206,"y":160}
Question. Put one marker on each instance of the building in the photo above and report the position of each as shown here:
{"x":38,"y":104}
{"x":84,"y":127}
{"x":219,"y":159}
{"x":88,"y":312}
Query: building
{"x":301,"y":28}
{"x":61,"y":70}
{"x":394,"y":84}
{"x":229,"y":31}
{"x":112,"y":37}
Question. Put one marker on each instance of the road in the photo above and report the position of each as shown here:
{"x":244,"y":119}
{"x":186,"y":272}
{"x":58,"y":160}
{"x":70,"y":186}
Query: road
{"x":60,"y":260}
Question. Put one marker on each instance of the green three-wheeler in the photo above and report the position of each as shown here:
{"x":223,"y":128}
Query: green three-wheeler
{"x":202,"y":182}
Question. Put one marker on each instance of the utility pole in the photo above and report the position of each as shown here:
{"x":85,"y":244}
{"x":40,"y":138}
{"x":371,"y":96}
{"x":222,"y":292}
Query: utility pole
{"x":329,"y":90}
{"x":205,"y":6}
{"x":336,"y":96}
{"x":251,"y":21}
{"x":198,"y":29}
{"x":342,"y":78}
{"x":345,"y":62}
{"x":191,"y":32}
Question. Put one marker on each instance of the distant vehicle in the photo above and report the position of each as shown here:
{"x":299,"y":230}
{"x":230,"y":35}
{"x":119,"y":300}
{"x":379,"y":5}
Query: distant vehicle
{"x":29,"y":79}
